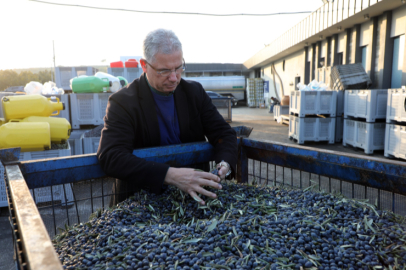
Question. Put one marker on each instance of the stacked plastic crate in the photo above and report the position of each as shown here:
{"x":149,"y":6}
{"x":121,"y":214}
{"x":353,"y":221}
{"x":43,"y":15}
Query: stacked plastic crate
{"x":352,"y":76}
{"x":346,"y":77}
{"x":312,"y":116}
{"x":91,"y":139}
{"x":251,"y":93}
{"x":395,"y":134}
{"x":364,"y":119}
{"x":130,"y":74}
{"x":88,"y":109}
{"x":259,"y":91}
{"x":279,"y":110}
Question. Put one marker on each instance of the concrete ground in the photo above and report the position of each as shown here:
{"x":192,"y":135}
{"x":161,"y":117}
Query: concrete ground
{"x":265,"y":128}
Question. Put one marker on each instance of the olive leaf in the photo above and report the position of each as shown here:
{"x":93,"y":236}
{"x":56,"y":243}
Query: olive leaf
{"x":212,"y":225}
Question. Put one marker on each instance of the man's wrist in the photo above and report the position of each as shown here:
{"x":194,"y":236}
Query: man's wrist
{"x":224,"y":164}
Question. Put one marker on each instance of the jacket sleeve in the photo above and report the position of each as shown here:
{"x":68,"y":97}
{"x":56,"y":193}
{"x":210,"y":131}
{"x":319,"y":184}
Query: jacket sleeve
{"x":219,"y":133}
{"x":115,"y":152}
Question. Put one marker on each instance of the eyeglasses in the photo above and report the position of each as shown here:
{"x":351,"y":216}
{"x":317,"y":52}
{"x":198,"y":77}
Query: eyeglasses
{"x":168,"y":72}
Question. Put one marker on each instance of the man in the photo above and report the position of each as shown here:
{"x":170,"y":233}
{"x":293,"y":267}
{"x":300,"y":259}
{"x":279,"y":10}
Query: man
{"x":161,"y":109}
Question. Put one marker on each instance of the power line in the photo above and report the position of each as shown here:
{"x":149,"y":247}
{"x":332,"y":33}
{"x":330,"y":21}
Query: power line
{"x":170,"y":12}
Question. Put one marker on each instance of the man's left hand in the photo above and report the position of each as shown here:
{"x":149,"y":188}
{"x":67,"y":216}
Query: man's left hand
{"x":222,"y":171}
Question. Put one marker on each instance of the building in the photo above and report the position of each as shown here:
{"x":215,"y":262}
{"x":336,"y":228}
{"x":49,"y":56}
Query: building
{"x":371,"y":32}
{"x":215,"y":69}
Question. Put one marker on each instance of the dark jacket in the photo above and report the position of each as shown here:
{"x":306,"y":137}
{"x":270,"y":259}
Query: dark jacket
{"x":131,"y":122}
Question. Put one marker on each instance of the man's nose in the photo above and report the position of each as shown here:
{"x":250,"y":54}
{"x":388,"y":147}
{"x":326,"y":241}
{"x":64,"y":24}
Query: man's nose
{"x":173,"y":77}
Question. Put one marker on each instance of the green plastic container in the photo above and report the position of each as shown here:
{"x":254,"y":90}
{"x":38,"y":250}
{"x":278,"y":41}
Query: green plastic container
{"x":123,"y":81}
{"x":90,"y":84}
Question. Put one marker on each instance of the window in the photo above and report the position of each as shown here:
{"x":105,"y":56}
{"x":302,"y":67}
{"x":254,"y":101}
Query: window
{"x":339,"y":58}
{"x":329,"y":51}
{"x":215,"y":74}
{"x":364,"y":56}
{"x":397,"y":62}
{"x":322,"y":62}
{"x":193,"y":74}
{"x":297,"y":80}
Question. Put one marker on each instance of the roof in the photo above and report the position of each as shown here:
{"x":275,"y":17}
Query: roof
{"x":324,"y":22}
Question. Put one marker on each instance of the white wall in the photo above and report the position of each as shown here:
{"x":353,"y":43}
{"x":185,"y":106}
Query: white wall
{"x":398,"y":21}
{"x":341,"y":42}
{"x":294,"y":67}
{"x":324,"y":49}
{"x":366,"y":33}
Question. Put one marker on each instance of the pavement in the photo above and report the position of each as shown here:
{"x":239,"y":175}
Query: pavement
{"x":265,"y":129}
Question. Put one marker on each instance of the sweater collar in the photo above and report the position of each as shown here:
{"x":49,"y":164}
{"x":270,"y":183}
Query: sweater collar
{"x":158,"y":92}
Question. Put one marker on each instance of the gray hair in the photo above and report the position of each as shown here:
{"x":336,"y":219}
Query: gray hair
{"x":160,"y":41}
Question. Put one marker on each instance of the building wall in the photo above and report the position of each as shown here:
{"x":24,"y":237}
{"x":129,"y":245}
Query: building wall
{"x":294,"y":67}
{"x":398,"y":22}
{"x":370,"y":42}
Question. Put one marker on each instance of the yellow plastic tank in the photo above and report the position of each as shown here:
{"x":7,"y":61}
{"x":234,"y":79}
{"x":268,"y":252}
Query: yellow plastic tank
{"x":19,"y":107}
{"x":60,"y":127}
{"x":2,"y":121}
{"x":28,"y":136}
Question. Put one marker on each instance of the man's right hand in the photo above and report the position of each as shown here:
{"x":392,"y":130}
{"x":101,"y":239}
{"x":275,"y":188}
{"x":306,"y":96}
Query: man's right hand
{"x":192,"y":182}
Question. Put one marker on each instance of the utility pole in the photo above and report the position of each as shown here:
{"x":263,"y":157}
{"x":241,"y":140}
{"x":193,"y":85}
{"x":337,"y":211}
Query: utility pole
{"x":53,"y":46}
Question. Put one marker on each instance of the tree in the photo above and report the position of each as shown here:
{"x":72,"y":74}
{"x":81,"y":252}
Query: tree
{"x":27,"y":76}
{"x":9,"y":78}
{"x":45,"y":76}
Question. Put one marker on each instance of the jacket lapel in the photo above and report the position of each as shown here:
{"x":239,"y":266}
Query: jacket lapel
{"x":147,"y":104}
{"x":183,"y":112}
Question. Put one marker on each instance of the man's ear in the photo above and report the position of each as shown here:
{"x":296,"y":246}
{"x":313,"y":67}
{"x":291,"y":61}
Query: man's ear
{"x":143,"y":65}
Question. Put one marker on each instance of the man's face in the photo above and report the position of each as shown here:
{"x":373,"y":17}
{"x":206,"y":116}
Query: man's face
{"x":162,"y":61}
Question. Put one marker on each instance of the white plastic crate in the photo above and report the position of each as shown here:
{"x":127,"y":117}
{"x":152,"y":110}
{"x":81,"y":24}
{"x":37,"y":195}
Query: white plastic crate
{"x":129,"y":73}
{"x":75,"y":142}
{"x":259,"y":91}
{"x":366,"y":104}
{"x":339,"y":129}
{"x":396,"y":106}
{"x":3,"y":194}
{"x":64,"y":74}
{"x":305,"y":103}
{"x":278,"y":110}
{"x":350,"y":76}
{"x":395,"y":141}
{"x":45,"y":154}
{"x":88,"y":109}
{"x":251,"y":93}
{"x":340,"y":103}
{"x":90,"y":144}
{"x":368,"y":136}
{"x":312,"y":129}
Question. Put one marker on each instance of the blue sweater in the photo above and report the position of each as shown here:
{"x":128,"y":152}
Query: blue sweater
{"x":167,"y":118}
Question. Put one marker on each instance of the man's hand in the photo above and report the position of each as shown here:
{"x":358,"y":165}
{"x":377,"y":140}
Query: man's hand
{"x":222,"y":171}
{"x":192,"y":182}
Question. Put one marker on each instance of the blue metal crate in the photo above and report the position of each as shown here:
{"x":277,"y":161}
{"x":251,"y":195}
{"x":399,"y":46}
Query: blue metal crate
{"x":265,"y":162}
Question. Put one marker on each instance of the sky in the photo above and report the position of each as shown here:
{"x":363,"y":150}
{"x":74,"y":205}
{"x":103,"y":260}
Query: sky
{"x":83,"y":36}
